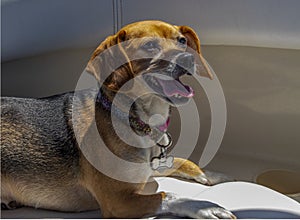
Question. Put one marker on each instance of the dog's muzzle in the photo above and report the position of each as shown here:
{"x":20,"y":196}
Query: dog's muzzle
{"x":184,"y":64}
{"x":163,"y":77}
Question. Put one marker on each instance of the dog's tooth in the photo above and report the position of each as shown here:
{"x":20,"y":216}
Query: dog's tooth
{"x":154,"y":81}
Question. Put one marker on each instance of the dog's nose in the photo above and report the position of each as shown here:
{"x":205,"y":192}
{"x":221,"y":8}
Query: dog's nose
{"x":186,"y":60}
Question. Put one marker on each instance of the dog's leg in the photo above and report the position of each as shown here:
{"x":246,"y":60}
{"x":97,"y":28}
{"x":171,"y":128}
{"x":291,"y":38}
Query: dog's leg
{"x":123,"y":204}
{"x":123,"y":200}
{"x":118,"y":199}
{"x":185,"y":169}
{"x":188,"y":170}
{"x":137,"y":206}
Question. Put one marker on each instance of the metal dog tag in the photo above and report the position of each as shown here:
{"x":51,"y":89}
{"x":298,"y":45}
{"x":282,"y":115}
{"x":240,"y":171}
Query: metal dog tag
{"x":162,"y":162}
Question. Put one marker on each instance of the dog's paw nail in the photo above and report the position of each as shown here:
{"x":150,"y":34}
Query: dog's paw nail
{"x":215,"y":213}
{"x":224,"y":214}
{"x":203,"y":179}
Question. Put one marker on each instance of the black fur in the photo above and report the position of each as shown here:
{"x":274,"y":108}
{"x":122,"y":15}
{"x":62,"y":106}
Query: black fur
{"x":34,"y":132}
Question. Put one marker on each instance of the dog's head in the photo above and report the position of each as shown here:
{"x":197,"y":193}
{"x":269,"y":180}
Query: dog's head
{"x":159,"y":52}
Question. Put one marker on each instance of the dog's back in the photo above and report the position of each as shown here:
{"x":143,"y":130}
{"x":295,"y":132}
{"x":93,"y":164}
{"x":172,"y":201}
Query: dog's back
{"x":39,"y":153}
{"x":35,"y":132}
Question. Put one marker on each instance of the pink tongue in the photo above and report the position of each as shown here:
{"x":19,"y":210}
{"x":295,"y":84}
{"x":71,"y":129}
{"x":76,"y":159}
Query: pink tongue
{"x":173,"y":87}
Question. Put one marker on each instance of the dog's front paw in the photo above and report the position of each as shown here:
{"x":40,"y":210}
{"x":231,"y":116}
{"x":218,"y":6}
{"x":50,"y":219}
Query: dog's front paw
{"x":212,"y":178}
{"x":204,"y":210}
{"x":214,"y":213}
{"x":194,"y":208}
{"x":215,"y":177}
{"x":203,"y":179}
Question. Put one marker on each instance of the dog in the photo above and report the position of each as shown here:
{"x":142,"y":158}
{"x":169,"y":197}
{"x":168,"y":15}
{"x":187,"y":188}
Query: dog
{"x":49,"y":156}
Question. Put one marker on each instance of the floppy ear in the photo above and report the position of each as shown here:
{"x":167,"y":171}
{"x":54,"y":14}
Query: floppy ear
{"x":194,"y":43}
{"x":104,"y":65}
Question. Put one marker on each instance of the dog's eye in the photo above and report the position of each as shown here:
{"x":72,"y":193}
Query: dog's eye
{"x":182,"y":40}
{"x":151,"y":45}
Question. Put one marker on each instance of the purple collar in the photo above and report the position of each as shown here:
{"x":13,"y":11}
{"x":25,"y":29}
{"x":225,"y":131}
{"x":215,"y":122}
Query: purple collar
{"x":135,"y":122}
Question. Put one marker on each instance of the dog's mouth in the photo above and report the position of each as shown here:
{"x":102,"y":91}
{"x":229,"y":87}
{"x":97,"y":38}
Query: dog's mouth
{"x":170,"y":89}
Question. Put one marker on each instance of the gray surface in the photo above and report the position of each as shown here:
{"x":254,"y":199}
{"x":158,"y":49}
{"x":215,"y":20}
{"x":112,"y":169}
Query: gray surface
{"x":37,"y":26}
